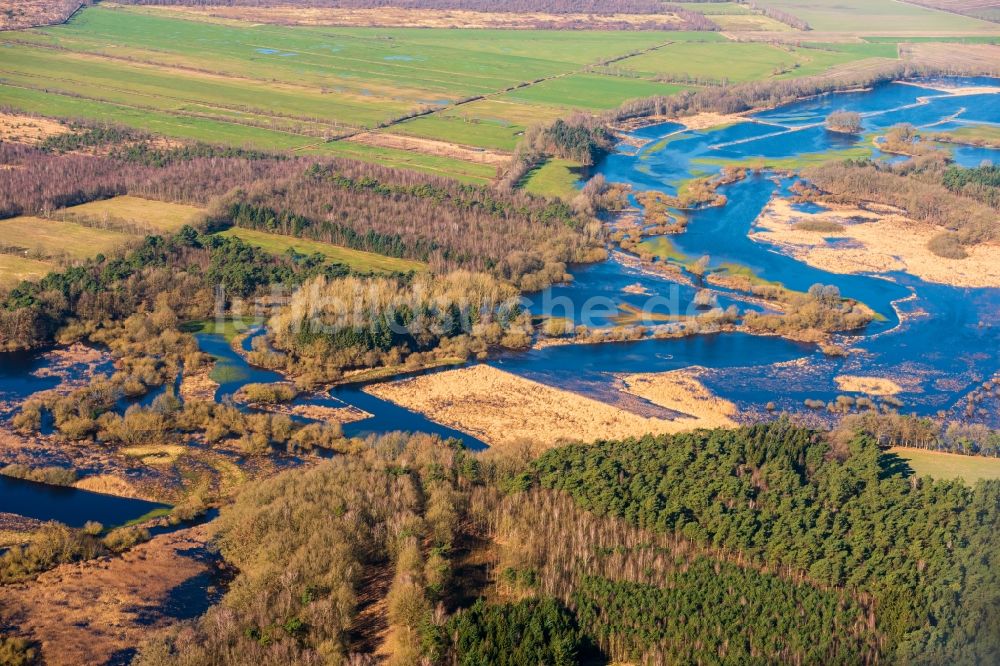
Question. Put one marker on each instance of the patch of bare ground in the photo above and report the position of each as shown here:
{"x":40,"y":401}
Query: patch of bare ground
{"x":18,"y":128}
{"x":198,"y":386}
{"x":396,"y":17}
{"x":709,"y":119}
{"x":431,"y":147}
{"x":20,"y":14}
{"x":682,"y":391}
{"x":698,"y":121}
{"x":984,"y":9}
{"x":959,"y":91}
{"x":370,"y":630}
{"x":878,"y":386}
{"x":346,"y":414}
{"x":953,"y":56}
{"x":89,"y":612}
{"x":15,"y":529}
{"x":505,"y":410}
{"x":874,"y":241}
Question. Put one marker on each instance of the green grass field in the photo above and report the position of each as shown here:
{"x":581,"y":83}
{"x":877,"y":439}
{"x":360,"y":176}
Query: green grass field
{"x":590,"y":91}
{"x":474,"y":131}
{"x":228,"y":328}
{"x":295,"y":88}
{"x":662,"y":248}
{"x":714,"y":8}
{"x":301,"y":80}
{"x":748,"y":23}
{"x":76,"y":233}
{"x":987,"y":134}
{"x":555,"y":178}
{"x":356,"y":259}
{"x":949,"y":465}
{"x":730,"y":61}
{"x":437,"y":165}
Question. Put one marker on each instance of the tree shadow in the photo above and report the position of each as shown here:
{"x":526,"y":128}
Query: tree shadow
{"x":122,"y":657}
{"x":893,"y":465}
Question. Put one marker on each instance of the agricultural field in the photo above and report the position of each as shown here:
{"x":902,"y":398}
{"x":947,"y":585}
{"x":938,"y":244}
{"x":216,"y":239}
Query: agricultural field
{"x":128,"y":211}
{"x":32,"y":246}
{"x":878,"y":17}
{"x":358,"y":260}
{"x":734,"y":17}
{"x":305,"y":81}
{"x":988,"y":10}
{"x":304,"y":88}
{"x":949,"y":465}
{"x":469,"y":130}
{"x":594,"y":92}
{"x":14,"y":268}
{"x":41,"y":238}
{"x":745,"y":61}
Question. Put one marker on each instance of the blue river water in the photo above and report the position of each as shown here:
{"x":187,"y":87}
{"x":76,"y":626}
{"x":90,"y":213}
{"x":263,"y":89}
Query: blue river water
{"x":947,"y":343}
{"x":71,"y":506}
{"x":938,"y":341}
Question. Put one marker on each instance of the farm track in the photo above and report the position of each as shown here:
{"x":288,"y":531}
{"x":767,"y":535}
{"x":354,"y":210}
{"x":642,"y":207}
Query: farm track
{"x":521,"y":86}
{"x":344,"y":133}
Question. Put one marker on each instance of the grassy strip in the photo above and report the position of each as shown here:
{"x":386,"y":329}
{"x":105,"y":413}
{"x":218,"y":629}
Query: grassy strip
{"x":358,"y":260}
{"x":949,"y":465}
{"x":14,"y":269}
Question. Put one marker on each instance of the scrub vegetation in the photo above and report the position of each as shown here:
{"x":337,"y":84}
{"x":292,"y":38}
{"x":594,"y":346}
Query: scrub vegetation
{"x":960,"y":200}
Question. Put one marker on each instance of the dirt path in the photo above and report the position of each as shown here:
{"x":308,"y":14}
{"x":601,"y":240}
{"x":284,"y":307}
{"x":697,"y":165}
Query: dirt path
{"x":431,"y":147}
{"x":99,"y":611}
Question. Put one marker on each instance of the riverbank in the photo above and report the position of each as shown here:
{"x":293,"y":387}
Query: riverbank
{"x":99,"y":610}
{"x":505,"y":410}
{"x":853,"y":239}
{"x":682,"y":391}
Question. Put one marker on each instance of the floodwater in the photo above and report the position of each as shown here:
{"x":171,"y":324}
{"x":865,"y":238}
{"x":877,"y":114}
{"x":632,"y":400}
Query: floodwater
{"x":945,"y":345}
{"x":939,"y":342}
{"x":71,"y":506}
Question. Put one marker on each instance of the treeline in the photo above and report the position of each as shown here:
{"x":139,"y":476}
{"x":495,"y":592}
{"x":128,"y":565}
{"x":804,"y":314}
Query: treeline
{"x":921,"y":432}
{"x":781,"y":499}
{"x":662,"y":15}
{"x":981,"y":10}
{"x":513,"y":235}
{"x":981,"y":183}
{"x":41,"y":181}
{"x":778,"y":15}
{"x":20,"y":15}
{"x":331,"y":326}
{"x":181,"y":271}
{"x":655,"y":598}
{"x":580,"y":138}
{"x":759,"y":545}
{"x":925,"y":199}
{"x":306,"y":545}
{"x":766,"y":94}
{"x":602,"y":7}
